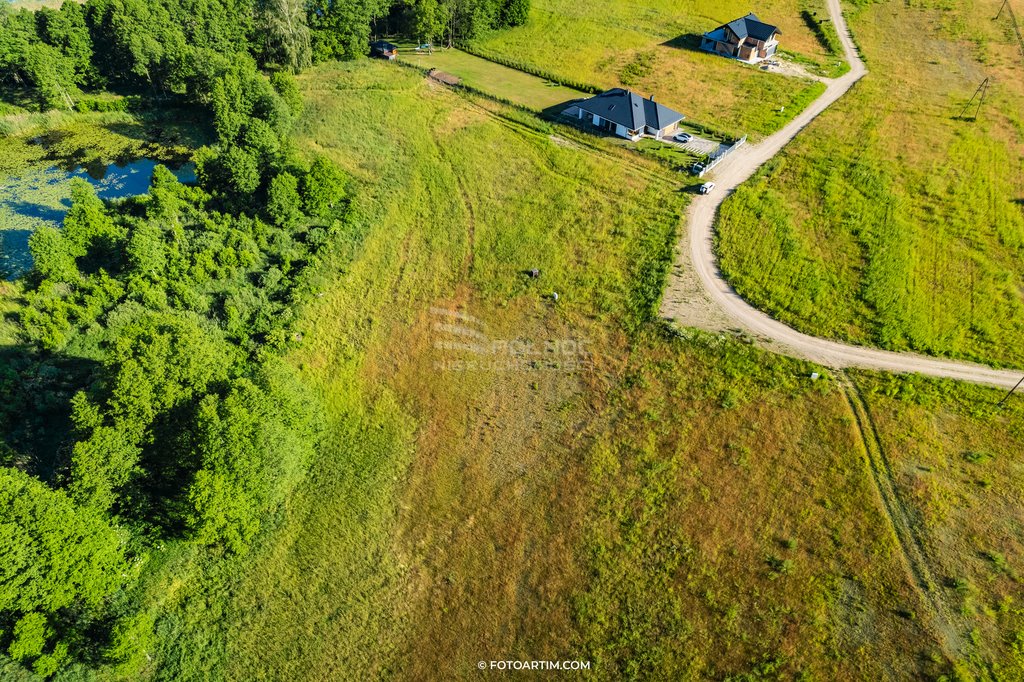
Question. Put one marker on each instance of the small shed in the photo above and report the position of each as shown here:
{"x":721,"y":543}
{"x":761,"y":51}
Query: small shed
{"x":383,"y":49}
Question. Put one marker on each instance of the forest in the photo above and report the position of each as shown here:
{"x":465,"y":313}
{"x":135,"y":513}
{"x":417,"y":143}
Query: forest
{"x":146,"y":399}
{"x":176,"y":47}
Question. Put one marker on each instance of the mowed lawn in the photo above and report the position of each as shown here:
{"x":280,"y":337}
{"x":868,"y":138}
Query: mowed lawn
{"x":650,"y":46}
{"x":889,"y":221}
{"x":494,"y":79}
{"x":665,"y":506}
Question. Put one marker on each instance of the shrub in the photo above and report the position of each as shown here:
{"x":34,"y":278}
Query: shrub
{"x":283,"y":202}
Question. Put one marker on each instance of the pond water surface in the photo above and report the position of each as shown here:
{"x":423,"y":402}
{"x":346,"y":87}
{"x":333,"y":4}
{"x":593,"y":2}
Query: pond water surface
{"x":42,"y":195}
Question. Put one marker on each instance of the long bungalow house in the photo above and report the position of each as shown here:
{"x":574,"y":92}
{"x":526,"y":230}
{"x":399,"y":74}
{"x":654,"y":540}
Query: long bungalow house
{"x":629,"y":115}
{"x":748,"y":39}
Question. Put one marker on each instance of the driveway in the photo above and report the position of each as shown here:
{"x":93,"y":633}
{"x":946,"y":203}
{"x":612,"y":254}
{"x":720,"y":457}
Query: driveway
{"x":698,"y":145}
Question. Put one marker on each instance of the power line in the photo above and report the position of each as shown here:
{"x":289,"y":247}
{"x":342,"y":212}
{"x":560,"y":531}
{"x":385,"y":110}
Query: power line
{"x":1013,"y":20}
{"x":1012,"y":391}
{"x":978,"y":95}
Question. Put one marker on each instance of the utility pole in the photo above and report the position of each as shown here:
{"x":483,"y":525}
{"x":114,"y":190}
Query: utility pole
{"x":1012,"y":391}
{"x":1001,"y":8}
{"x":979,"y":95}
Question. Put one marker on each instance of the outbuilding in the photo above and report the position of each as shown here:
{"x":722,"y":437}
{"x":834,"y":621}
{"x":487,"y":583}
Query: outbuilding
{"x":383,"y":49}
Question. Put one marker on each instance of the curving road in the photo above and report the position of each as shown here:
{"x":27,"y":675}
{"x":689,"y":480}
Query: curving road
{"x":736,"y":170}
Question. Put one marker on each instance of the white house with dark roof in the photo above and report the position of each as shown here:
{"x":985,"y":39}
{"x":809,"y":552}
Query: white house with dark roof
{"x":748,"y":39}
{"x":629,"y":115}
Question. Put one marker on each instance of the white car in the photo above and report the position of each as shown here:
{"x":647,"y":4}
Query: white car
{"x":707,"y":188}
{"x":683,"y":137}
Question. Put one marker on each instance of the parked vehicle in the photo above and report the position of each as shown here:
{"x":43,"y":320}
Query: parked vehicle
{"x":706,"y":188}
{"x":683,"y":137}
{"x":697,"y":168}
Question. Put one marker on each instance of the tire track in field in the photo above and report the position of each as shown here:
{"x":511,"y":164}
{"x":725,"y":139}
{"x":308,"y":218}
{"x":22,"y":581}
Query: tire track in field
{"x":470,"y":258}
{"x":940,"y":618}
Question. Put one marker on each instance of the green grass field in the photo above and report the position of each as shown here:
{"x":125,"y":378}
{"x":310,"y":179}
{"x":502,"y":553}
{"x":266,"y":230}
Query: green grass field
{"x":888,"y":221}
{"x":681,"y":507}
{"x":577,"y":481}
{"x":956,"y":458}
{"x":501,"y":81}
{"x":649,"y":46}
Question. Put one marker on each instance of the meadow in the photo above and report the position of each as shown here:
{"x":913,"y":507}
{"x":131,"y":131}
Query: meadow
{"x":890,"y":220}
{"x":509,"y":475}
{"x":650,"y":46}
{"x":955,"y":456}
{"x":577,"y":482}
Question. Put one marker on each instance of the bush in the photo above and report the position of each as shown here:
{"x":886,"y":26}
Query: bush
{"x":283,"y":202}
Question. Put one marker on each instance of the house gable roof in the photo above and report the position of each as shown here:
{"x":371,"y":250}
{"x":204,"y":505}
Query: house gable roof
{"x":750,"y":26}
{"x":630,"y":110}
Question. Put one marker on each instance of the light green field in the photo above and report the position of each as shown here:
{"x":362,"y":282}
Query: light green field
{"x":679,"y":508}
{"x":957,"y":459}
{"x":888,"y":221}
{"x":649,"y":46}
{"x":495,"y":79}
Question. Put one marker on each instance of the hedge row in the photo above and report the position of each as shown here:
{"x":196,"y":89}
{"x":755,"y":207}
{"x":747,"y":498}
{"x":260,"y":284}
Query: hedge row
{"x":532,"y":70}
{"x":107,"y":104}
{"x":825,"y":33}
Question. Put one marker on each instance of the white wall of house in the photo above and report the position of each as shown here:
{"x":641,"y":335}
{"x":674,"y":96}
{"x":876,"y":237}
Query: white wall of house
{"x":620,"y":130}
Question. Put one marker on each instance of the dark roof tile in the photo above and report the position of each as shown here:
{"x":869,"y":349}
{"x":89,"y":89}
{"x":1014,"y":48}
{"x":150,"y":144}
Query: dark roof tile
{"x":630,"y":110}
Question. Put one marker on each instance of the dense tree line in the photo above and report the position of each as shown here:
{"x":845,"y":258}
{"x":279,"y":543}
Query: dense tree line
{"x":152,"y":328}
{"x":176,"y":46}
{"x":187,"y":426}
{"x":453,"y":21}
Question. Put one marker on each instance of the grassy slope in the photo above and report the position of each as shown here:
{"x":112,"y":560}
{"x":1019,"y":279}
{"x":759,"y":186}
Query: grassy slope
{"x":889,"y":222}
{"x":685,"y":507}
{"x":957,"y":461}
{"x":682,"y":508}
{"x":594,"y":42}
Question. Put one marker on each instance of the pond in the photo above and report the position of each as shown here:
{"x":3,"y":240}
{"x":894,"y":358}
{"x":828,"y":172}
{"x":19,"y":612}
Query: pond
{"x":42,"y":195}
